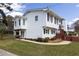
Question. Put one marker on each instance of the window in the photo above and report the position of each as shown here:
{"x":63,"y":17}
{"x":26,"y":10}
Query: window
{"x":17,"y":32}
{"x":47,"y":16}
{"x":23,"y":21}
{"x":51,"y":19}
{"x":36,"y":18}
{"x":55,"y":20}
{"x":19,"y":22}
{"x":52,"y":31}
{"x":15,"y":23}
{"x":22,"y":33}
{"x":60,"y":21}
{"x":46,"y":31}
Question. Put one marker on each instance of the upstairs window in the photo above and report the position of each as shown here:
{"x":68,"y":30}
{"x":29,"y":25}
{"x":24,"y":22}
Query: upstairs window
{"x":60,"y":21}
{"x":55,"y":20}
{"x":15,"y":23}
{"x":51,"y":19}
{"x":47,"y":16}
{"x":24,"y":21}
{"x":19,"y":22}
{"x":36,"y":18}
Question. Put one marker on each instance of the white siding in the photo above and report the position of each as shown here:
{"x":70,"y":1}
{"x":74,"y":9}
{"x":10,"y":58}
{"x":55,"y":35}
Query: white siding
{"x":21,"y":26}
{"x":48,"y":35}
{"x":52,"y":25}
{"x":35,"y":27}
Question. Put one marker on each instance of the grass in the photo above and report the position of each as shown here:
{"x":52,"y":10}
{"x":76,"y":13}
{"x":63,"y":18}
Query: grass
{"x":31,"y":49}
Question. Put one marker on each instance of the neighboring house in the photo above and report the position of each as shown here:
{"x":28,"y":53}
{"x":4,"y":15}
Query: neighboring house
{"x":76,"y":26}
{"x":37,"y":23}
{"x":10,"y":23}
{"x":70,"y":28}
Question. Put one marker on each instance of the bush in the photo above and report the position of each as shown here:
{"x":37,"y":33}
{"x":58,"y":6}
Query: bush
{"x":43,"y":40}
{"x":3,"y":28}
{"x":30,"y":39}
{"x":39,"y":39}
{"x":46,"y":39}
{"x":72,"y":33}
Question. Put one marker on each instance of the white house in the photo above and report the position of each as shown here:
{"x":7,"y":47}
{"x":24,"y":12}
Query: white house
{"x":37,"y":23}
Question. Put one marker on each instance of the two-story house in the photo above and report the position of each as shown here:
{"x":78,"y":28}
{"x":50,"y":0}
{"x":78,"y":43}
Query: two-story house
{"x":37,"y":23}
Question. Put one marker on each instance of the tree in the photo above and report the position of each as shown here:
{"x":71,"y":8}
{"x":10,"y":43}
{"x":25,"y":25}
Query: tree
{"x":10,"y":23}
{"x":7,"y":6}
{"x":2,"y":30}
{"x":3,"y":25}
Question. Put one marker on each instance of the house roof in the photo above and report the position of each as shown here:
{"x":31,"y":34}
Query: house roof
{"x":45,"y":10}
{"x":19,"y":17}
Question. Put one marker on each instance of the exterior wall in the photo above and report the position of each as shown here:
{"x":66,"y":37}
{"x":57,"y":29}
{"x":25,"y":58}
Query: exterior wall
{"x":35,"y":27}
{"x":48,"y":35}
{"x":21,"y":26}
{"x":52,"y":25}
{"x":65,"y":25}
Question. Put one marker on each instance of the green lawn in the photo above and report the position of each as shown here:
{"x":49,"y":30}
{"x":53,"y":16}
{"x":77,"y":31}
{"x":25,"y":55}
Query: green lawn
{"x":29,"y":49}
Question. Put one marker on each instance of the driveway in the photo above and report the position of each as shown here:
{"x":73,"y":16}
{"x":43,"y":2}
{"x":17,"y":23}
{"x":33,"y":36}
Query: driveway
{"x":6,"y":53}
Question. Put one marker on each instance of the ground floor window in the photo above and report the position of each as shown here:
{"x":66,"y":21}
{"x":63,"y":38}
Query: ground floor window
{"x":17,"y":32}
{"x":46,"y":31}
{"x":52,"y":31}
{"x":22,"y":33}
{"x":49,"y":31}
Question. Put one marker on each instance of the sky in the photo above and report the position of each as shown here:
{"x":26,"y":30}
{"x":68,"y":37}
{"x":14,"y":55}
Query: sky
{"x":69,"y":11}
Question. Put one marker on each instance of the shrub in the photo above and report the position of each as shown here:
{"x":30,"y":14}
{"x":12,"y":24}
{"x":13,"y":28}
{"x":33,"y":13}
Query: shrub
{"x":3,"y":28}
{"x":72,"y":33}
{"x":46,"y":39}
{"x":43,"y":39}
{"x":39,"y":39}
{"x":30,"y":39}
{"x":53,"y":38}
